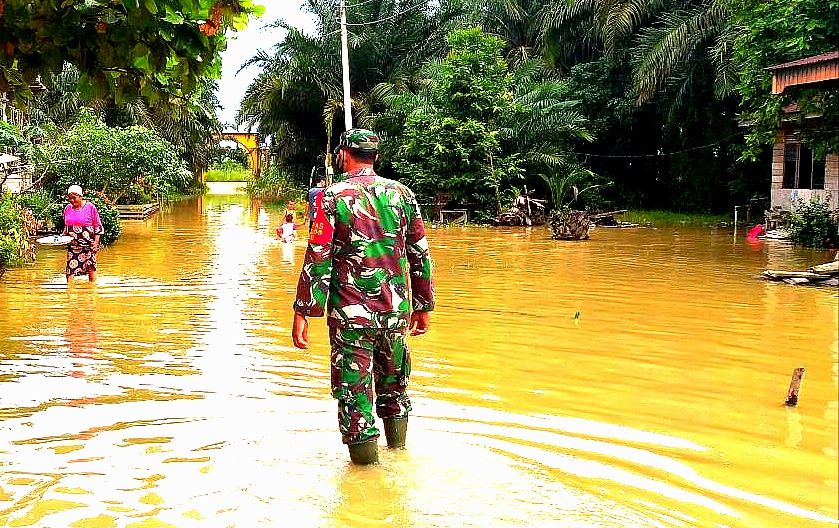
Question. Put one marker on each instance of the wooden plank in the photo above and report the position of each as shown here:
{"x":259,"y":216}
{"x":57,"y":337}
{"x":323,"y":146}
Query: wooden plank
{"x":794,"y":387}
{"x":137,"y":212}
{"x":795,"y":281}
{"x":610,"y":213}
{"x":831,"y":268}
{"x":778,"y":275}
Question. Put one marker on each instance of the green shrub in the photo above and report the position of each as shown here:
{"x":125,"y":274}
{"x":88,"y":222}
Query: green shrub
{"x":128,"y":165}
{"x":17,"y":225}
{"x":108,"y":214}
{"x":274,"y":185}
{"x":14,"y":141}
{"x":42,"y":205}
{"x":813,"y":224}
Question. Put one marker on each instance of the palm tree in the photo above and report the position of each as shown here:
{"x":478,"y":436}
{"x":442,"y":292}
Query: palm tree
{"x":674,"y":52}
{"x":672,"y":43}
{"x":518,"y":22}
{"x":300,"y":83}
{"x":548,"y":123}
{"x":187,"y":124}
{"x":603,"y":25}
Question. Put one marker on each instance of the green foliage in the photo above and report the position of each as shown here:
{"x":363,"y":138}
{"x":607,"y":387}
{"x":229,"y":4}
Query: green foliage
{"x":274,"y":185}
{"x":454,"y":145}
{"x":813,"y":224}
{"x":43,"y":207}
{"x":638,"y":92}
{"x":124,"y":48}
{"x":474,"y":79}
{"x":128,"y":165}
{"x":16,"y":227}
{"x":13,"y":140}
{"x":445,"y":154}
{"x":480,"y":128}
{"x":228,"y":170}
{"x":686,"y":50}
{"x":297,"y":98}
{"x":10,"y":136}
{"x":569,"y":184}
{"x":219,"y":155}
{"x":188,"y":124}
{"x":660,"y":218}
{"x":770,"y":33}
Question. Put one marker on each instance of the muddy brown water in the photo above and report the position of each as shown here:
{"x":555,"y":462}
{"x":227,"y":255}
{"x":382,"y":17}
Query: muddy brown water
{"x":634,"y":380}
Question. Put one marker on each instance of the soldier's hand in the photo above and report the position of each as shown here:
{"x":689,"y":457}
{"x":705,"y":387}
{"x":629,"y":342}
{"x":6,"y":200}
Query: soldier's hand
{"x":419,"y":323}
{"x":300,"y":331}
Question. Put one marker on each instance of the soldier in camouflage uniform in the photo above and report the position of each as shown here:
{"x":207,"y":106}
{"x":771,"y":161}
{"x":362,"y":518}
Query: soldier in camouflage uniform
{"x":367,"y":268}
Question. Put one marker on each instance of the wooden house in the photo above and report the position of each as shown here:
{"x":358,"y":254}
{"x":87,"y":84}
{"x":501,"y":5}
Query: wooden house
{"x":796,"y":173}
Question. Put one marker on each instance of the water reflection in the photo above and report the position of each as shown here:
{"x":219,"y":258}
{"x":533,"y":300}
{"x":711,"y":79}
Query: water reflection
{"x":635,"y":380}
{"x":82,"y":336}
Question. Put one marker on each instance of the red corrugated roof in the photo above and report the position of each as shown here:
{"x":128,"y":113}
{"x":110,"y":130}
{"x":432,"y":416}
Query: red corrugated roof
{"x":830,"y":55}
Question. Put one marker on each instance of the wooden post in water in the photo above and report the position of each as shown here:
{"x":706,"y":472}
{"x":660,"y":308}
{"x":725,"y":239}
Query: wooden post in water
{"x":794,"y":387}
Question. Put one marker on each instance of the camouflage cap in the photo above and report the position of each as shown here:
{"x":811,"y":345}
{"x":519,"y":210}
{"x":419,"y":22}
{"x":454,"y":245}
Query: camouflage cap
{"x":360,"y":139}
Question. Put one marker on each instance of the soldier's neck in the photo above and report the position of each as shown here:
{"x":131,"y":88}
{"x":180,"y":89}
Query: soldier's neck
{"x":351,"y":165}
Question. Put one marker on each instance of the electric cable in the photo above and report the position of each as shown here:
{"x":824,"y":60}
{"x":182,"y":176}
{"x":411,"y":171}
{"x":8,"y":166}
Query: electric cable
{"x":657,"y":155}
{"x":391,"y":17}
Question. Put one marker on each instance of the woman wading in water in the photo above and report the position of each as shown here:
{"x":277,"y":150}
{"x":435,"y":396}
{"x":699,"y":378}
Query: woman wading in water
{"x":81,"y":222}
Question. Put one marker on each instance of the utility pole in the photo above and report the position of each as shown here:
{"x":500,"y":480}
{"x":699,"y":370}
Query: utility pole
{"x":345,"y":63}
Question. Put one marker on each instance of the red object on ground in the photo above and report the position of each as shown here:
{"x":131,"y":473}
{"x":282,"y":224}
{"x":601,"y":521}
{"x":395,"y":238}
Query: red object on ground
{"x":756,"y":231}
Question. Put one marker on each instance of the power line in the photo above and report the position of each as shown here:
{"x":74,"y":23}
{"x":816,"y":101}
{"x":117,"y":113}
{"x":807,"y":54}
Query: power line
{"x":657,"y":155}
{"x":364,"y":2}
{"x":391,"y":17}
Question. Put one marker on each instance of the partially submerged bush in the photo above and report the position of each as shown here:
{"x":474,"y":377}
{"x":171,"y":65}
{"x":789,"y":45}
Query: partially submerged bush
{"x":274,"y":185}
{"x":17,"y":225}
{"x":813,"y":224}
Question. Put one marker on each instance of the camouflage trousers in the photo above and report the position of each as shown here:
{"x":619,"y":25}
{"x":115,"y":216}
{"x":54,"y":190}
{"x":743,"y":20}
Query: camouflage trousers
{"x":360,"y":357}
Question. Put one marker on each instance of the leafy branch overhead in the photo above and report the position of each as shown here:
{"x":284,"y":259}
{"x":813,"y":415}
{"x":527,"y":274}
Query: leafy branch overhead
{"x":124,"y":49}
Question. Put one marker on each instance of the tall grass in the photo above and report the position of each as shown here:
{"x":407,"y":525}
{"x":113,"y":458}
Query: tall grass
{"x":222,"y":173}
{"x":274,"y":185}
{"x":668,"y":218}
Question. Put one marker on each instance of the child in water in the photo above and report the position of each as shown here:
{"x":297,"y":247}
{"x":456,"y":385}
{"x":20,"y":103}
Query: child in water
{"x":286,"y":231}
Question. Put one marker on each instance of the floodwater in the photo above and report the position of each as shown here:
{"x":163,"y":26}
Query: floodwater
{"x":633,"y":380}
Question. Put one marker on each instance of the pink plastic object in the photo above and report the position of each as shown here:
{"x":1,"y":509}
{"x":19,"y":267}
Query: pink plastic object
{"x":756,"y":231}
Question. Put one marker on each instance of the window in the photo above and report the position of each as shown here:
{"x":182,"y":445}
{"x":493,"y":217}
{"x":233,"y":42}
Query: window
{"x":801,"y":169}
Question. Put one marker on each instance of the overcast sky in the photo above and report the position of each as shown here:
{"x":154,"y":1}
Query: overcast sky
{"x":243,"y":45}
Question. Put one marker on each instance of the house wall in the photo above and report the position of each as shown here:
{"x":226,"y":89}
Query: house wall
{"x":785,"y":198}
{"x":16,"y":179}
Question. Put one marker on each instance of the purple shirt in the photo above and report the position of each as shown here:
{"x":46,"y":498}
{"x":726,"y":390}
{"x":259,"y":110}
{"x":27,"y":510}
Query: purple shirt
{"x":84,"y":216}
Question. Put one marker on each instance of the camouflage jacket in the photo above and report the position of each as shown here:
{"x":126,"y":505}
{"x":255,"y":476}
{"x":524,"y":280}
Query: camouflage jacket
{"x":367,"y":259}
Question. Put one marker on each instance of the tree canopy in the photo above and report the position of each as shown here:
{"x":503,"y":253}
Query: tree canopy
{"x":769,"y":33}
{"x":123,"y":49}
